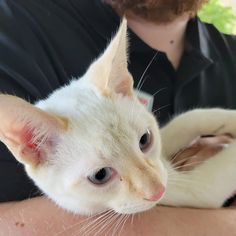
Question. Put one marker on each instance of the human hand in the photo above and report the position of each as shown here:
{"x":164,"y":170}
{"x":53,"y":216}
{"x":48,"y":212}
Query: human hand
{"x":199,"y":150}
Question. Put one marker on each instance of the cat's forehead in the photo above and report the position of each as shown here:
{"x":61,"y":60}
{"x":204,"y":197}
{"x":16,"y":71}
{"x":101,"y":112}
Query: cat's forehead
{"x":113,"y":114}
{"x":95,"y":117}
{"x":101,"y":130}
{"x":111,"y":122}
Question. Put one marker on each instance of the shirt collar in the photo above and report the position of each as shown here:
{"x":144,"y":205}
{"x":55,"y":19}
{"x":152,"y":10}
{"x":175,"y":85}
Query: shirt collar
{"x":198,"y":38}
{"x":196,"y":57}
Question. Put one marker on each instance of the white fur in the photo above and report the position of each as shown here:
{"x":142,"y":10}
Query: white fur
{"x":91,"y":144}
{"x":212,"y":182}
{"x":105,"y":124}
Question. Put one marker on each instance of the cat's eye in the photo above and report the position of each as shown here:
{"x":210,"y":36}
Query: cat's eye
{"x":145,"y":141}
{"x":101,"y":176}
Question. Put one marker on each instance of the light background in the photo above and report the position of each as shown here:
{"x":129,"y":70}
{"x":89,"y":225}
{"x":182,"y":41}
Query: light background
{"x":230,"y":3}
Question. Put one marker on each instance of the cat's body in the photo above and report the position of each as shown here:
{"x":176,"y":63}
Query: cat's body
{"x":213,"y":181}
{"x":91,"y":146}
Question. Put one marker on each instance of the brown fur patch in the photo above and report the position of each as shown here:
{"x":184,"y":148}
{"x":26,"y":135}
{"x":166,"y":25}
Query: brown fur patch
{"x":106,"y":93}
{"x":144,"y":179}
{"x":64,"y":123}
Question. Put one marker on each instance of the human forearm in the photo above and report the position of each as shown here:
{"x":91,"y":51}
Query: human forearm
{"x":34,"y":217}
{"x":39,"y":216}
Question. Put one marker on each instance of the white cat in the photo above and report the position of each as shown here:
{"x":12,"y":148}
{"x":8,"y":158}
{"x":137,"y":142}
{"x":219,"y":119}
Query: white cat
{"x":91,"y":146}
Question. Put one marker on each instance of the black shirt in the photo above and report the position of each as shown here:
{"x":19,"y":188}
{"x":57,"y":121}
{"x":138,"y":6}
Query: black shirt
{"x":44,"y":43}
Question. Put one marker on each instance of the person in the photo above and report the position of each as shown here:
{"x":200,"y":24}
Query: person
{"x":187,"y":64}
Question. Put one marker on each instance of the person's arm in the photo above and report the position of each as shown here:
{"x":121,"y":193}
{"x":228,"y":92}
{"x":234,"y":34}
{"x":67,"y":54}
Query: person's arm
{"x":199,"y":150}
{"x":39,"y":216}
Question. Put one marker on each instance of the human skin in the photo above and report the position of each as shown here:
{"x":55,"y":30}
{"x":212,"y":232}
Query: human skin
{"x":171,"y":36}
{"x":39,"y":216}
{"x":199,"y":150}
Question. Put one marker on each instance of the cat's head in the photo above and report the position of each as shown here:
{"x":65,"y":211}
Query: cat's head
{"x":91,"y":145}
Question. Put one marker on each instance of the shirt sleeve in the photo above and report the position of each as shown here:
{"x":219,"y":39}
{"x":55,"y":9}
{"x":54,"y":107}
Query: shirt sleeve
{"x":43,"y":44}
{"x":230,"y":42}
{"x":17,"y":70}
{"x":25,"y":64}
{"x":25,"y":71}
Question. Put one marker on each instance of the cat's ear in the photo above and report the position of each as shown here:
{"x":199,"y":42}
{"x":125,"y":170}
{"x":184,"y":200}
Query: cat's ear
{"x":110,"y":71}
{"x":29,"y":132}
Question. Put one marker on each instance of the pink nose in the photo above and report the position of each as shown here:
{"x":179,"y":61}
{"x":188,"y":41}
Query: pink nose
{"x":156,"y":196}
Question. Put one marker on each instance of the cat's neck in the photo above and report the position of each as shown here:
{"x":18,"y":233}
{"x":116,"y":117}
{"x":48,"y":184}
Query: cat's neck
{"x":168,"y":37}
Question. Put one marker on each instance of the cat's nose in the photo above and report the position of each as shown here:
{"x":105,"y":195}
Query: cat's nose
{"x":156,"y":196}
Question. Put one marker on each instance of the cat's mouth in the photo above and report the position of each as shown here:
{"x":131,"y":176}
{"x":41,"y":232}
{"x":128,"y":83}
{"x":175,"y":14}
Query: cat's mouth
{"x":141,"y":206}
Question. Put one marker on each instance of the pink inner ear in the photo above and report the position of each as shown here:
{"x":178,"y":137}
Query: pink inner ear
{"x":27,"y":139}
{"x":31,"y":153}
{"x":29,"y":132}
{"x":124,"y":87}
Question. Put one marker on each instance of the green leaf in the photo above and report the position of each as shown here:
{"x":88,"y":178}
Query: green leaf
{"x":223,"y":17}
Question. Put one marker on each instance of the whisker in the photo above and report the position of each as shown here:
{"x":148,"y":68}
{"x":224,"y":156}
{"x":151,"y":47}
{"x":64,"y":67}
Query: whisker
{"x":183,"y":185}
{"x":78,"y":223}
{"x":184,"y":160}
{"x":188,"y":165}
{"x":183,"y":182}
{"x":158,"y":91}
{"x":108,"y":224}
{"x":141,"y":85}
{"x":126,"y":218}
{"x":160,"y":108}
{"x":141,"y":82}
{"x":135,"y":207}
{"x":93,"y":224}
{"x":132,"y":219}
{"x":198,"y":189}
{"x":178,"y":173}
{"x":149,"y":64}
{"x":175,"y":155}
{"x":115,"y":229}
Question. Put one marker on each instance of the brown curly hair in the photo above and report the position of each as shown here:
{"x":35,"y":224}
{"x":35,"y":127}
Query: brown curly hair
{"x":156,"y":10}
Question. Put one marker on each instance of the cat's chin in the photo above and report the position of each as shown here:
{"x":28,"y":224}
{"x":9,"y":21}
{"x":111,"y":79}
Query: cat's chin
{"x":78,"y":207}
{"x":136,"y":208}
{"x":96,"y":210}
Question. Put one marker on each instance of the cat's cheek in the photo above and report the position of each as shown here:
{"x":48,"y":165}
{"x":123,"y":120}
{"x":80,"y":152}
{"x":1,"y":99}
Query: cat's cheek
{"x":131,"y":206}
{"x":163,"y":172}
{"x":79,"y":206}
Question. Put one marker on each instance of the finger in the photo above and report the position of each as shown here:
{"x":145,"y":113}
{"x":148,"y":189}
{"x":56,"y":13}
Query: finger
{"x":199,"y":150}
{"x":181,"y":156}
{"x":215,"y":140}
{"x":204,"y":154}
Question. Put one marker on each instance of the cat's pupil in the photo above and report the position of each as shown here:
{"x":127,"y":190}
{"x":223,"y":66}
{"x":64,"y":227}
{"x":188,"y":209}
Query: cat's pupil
{"x":101,"y":174}
{"x":145,"y":141}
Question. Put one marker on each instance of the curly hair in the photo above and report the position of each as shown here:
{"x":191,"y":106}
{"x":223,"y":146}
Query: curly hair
{"x":156,"y":10}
